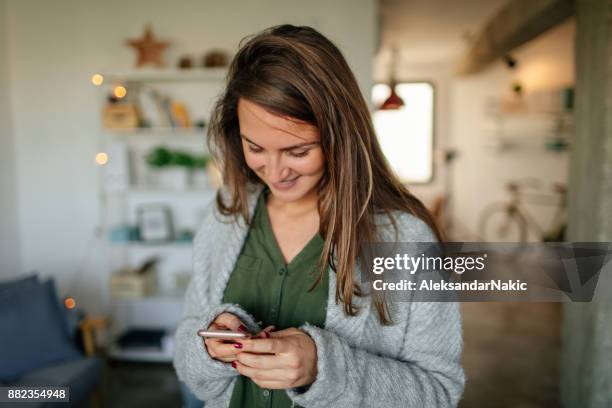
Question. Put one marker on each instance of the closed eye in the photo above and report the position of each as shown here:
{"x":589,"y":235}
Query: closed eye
{"x":298,"y":153}
{"x":254,"y":149}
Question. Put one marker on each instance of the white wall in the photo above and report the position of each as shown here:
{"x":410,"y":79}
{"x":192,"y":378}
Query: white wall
{"x":56,"y":46}
{"x":543,"y":64}
{"x":9,"y":233}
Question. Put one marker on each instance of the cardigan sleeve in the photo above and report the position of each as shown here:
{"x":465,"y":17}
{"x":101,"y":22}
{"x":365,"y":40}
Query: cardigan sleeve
{"x":206,"y":377}
{"x":428,"y":372}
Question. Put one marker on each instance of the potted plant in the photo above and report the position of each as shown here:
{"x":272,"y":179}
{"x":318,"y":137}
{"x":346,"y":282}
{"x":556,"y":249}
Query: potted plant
{"x":177,"y":169}
{"x":168,"y":171}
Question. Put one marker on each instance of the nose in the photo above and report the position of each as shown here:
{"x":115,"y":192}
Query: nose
{"x":276,"y":170}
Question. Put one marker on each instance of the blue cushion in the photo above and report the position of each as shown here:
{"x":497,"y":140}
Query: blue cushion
{"x":68,"y":325}
{"x":70,"y":317}
{"x":33,"y":331}
{"x":81,"y":375}
{"x":18,"y":283}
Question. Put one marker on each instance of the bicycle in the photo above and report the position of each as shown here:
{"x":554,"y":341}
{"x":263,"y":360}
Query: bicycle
{"x":511,"y":222}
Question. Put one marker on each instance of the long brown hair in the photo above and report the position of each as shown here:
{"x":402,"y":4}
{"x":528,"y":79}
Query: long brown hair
{"x":298,"y":73}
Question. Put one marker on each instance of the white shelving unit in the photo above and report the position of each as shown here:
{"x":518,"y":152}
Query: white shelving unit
{"x":536,"y":121}
{"x":125,"y":186}
{"x":151,"y":356}
{"x":149,"y":75}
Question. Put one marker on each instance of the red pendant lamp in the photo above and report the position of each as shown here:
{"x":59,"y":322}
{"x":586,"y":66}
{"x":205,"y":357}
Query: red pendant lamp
{"x":394,"y":101}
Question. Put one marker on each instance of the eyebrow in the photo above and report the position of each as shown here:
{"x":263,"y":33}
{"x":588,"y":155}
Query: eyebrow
{"x":283,"y":149}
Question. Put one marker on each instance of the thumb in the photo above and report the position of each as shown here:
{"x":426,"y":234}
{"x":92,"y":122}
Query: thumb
{"x":265,"y":333}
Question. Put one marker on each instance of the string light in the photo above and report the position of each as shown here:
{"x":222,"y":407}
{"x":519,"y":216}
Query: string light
{"x":101,"y":158}
{"x":119,"y":91}
{"x":69,"y":303}
{"x":97,"y":79}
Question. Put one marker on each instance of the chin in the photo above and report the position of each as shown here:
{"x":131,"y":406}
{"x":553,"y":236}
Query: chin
{"x":288,"y":196}
{"x":294,"y":194}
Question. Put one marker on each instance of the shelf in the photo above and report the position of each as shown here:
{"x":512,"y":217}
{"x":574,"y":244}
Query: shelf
{"x":172,"y":297}
{"x":142,"y":245}
{"x":166,"y":191}
{"x":168,"y":75}
{"x":555,"y":103}
{"x":154,"y":356}
{"x":529,"y":113}
{"x":157,"y":131}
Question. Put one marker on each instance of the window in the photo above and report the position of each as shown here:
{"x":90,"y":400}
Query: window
{"x":406,"y":134}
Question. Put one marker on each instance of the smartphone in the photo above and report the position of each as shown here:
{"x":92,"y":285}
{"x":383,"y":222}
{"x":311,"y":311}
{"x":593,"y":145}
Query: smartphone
{"x":221,"y":334}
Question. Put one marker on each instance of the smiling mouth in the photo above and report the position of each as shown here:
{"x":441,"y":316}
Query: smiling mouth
{"x":288,"y":181}
{"x":285,"y":183}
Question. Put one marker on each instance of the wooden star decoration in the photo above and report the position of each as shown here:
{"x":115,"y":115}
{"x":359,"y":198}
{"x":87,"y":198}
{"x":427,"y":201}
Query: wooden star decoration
{"x":148,"y":48}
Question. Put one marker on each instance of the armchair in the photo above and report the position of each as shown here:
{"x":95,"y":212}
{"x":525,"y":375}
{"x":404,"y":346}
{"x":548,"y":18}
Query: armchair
{"x":37,"y":341}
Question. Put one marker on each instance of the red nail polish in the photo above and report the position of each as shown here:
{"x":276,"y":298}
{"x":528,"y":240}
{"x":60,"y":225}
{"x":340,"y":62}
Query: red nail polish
{"x":242,"y":328}
{"x":234,"y":364}
{"x":238,"y":345}
{"x":267,"y":335}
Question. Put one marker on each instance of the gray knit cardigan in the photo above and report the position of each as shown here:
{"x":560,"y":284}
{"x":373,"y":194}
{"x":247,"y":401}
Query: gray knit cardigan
{"x":413,"y":363}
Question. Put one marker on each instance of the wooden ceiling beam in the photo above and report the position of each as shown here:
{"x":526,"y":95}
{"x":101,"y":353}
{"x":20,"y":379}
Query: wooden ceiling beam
{"x":518,"y":22}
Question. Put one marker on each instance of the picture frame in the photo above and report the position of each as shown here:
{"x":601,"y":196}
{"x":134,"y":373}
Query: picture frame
{"x":155,"y":223}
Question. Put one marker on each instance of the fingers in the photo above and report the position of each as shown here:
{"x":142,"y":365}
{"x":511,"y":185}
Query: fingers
{"x":268,"y":346}
{"x":260,"y":375}
{"x":230,"y":321}
{"x":263,"y":361}
{"x":228,"y":359}
{"x":265,"y":333}
{"x":220,"y":350}
{"x":285,"y":360}
{"x":286,"y":332}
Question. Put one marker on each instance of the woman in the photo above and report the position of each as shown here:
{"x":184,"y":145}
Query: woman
{"x":306,"y":186}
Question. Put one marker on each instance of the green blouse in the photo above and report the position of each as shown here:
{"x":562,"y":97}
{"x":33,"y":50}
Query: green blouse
{"x":274,"y":293}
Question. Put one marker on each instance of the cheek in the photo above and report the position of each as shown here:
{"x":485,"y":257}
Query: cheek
{"x":254,"y":161}
{"x":313,"y":165}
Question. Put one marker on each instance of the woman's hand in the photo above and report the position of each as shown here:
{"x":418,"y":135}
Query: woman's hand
{"x":286,"y":360}
{"x":224,"y":350}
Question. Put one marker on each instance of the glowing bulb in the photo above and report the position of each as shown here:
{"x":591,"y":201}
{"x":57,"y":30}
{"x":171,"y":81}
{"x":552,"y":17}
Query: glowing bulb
{"x":70,"y":303}
{"x":119,"y":91}
{"x":101,"y":158}
{"x":97,"y":79}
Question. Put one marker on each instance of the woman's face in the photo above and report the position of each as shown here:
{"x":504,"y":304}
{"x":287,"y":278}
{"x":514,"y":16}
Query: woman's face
{"x":285,"y":153}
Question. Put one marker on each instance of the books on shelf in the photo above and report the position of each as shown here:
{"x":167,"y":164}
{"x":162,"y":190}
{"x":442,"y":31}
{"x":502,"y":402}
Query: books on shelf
{"x":148,"y":102}
{"x":146,"y":108}
{"x":180,"y":115}
{"x":161,"y":111}
{"x":142,"y":339}
{"x":143,"y":344}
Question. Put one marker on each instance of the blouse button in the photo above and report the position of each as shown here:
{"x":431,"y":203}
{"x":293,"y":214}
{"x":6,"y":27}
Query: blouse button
{"x":266,"y":393}
{"x":282,"y":271}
